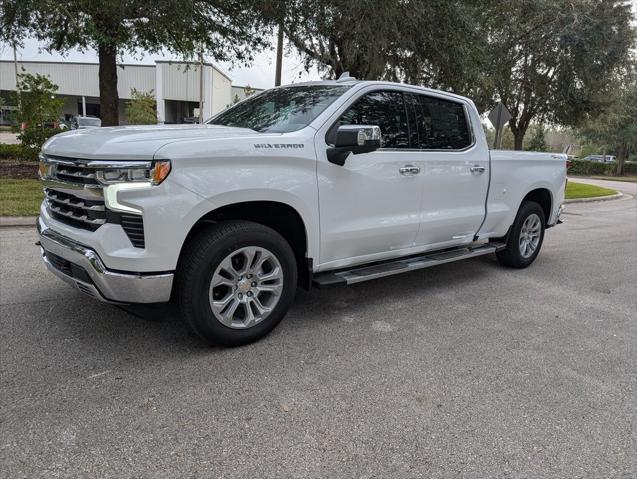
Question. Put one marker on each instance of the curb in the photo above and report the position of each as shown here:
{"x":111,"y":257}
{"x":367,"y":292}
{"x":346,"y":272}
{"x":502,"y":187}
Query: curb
{"x":15,"y":221}
{"x":595,"y":198}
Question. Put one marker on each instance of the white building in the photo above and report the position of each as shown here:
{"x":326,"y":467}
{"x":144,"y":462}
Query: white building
{"x":242,"y":92}
{"x":175,"y":86}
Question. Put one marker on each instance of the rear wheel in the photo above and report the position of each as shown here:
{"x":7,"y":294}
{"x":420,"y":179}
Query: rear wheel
{"x":235,"y":282}
{"x":526,"y":237}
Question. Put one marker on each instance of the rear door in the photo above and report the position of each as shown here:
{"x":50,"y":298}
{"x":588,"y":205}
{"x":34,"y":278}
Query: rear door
{"x":454,"y":174}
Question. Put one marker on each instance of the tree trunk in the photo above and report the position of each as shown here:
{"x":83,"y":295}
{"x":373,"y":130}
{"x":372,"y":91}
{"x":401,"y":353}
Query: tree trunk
{"x":518,"y":129}
{"x":622,"y":156}
{"x":109,"y":99}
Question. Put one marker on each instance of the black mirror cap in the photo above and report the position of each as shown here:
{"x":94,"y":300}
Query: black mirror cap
{"x":353,"y":139}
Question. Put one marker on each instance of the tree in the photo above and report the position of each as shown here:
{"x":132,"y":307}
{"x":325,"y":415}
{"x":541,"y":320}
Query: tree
{"x":369,"y":38}
{"x":615,"y":128}
{"x":538,"y":140}
{"x":142,"y":108}
{"x":226,"y":29}
{"x":546,"y":60}
{"x":554,"y":60}
{"x":38,"y":109}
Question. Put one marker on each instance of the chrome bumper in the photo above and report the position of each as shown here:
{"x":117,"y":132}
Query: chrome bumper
{"x":98,"y":281}
{"x":559,"y":215}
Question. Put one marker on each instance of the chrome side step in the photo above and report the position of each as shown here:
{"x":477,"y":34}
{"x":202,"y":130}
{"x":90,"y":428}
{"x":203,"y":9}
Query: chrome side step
{"x":388,"y":268}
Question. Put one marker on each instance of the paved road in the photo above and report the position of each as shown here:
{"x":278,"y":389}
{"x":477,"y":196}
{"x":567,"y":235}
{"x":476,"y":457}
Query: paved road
{"x":466,"y":370}
{"x":8,"y":137}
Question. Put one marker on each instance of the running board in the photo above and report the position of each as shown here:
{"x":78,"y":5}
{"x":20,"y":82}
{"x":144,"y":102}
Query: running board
{"x":380,"y":270}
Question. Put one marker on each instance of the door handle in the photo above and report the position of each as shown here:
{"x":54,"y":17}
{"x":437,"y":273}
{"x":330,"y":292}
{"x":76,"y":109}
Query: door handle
{"x":409,"y":170}
{"x":477,"y":169}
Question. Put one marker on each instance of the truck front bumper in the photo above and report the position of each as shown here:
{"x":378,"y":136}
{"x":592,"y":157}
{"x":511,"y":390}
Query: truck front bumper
{"x":82,"y":267}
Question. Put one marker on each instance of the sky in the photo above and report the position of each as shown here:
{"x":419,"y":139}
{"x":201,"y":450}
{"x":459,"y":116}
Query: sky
{"x":259,"y":75}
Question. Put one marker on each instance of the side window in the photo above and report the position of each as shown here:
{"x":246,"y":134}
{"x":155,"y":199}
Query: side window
{"x":442,"y":124}
{"x":382,"y":108}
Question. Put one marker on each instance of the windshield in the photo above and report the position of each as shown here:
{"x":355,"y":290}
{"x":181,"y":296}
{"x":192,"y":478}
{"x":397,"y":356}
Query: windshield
{"x":281,"y":110}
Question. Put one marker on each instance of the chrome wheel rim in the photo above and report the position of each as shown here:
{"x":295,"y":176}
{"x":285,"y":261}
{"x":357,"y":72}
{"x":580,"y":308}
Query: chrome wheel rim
{"x":530,"y":235}
{"x":246,"y":287}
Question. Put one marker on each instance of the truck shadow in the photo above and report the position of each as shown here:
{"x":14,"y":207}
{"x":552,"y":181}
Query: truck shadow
{"x":108,"y":331}
{"x":312,"y":309}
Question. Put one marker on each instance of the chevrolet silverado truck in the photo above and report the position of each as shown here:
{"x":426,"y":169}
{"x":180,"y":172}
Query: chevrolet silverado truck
{"x":324,"y":183}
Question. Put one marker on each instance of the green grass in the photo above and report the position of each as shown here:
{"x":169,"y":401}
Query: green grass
{"x":580,"y":190}
{"x":20,"y":197}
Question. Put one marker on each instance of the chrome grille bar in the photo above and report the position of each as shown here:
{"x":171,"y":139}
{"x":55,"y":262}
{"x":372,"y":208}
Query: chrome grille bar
{"x":70,"y":214}
{"x":53,"y":197}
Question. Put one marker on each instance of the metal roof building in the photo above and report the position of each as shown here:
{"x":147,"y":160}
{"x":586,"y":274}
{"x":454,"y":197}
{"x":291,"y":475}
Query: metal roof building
{"x":175,"y":85}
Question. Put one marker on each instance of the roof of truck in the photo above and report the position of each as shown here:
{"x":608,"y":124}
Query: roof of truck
{"x":351,"y":81}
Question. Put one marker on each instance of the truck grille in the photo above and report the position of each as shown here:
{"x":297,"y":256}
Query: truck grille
{"x":75,"y":211}
{"x":74,"y":196}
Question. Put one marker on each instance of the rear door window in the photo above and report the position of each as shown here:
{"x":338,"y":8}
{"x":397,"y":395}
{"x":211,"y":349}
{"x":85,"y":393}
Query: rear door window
{"x":442,"y":124}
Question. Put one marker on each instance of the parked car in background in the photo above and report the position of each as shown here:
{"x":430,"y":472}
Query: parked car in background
{"x":600,"y":158}
{"x":84,"y":122}
{"x":55,"y":125}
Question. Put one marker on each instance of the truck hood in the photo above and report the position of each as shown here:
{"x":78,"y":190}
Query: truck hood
{"x":132,"y":142}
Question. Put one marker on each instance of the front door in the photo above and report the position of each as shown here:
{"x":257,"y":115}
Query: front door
{"x":370,"y":207}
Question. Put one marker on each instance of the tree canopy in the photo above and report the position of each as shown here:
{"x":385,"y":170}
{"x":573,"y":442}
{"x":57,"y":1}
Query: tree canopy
{"x":224,"y":29}
{"x":546,"y":60}
{"x":555,"y":60}
{"x":614,"y":129}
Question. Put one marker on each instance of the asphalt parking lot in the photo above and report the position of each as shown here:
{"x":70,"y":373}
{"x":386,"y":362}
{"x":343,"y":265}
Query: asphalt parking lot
{"x":465,"y":370}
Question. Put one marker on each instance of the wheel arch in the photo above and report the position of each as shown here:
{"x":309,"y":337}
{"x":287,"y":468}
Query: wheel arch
{"x":543,"y":197}
{"x":280,"y":216}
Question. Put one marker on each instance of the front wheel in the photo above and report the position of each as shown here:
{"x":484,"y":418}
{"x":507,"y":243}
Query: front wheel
{"x":235,"y":282}
{"x":525,"y":238}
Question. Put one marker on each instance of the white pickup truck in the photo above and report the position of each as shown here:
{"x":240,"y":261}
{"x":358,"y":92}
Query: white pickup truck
{"x":321,"y":183}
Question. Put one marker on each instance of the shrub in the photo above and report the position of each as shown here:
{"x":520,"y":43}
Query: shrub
{"x":18,"y":152}
{"x":587,"y":168}
{"x":595,"y":168}
{"x":630,"y":169}
{"x":10,"y":152}
{"x":37,"y":107}
{"x":142,"y":109}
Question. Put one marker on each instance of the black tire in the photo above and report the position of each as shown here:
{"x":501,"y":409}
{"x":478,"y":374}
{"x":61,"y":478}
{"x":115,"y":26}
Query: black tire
{"x":511,"y":256}
{"x":201,"y":257}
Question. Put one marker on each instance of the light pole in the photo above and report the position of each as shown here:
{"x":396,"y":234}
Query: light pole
{"x":201,"y":87}
{"x":279,"y":55}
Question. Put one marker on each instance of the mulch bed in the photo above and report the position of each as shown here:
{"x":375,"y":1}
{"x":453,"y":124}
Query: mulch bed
{"x":18,"y":169}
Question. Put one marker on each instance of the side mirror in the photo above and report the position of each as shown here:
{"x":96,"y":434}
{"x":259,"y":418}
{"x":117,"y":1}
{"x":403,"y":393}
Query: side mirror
{"x":353,"y":139}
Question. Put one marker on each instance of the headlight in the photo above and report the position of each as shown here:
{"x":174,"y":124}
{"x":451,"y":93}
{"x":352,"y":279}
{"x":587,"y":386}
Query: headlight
{"x":154,"y":172}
